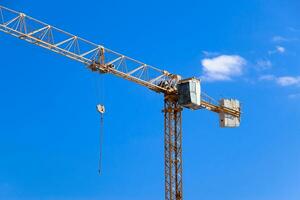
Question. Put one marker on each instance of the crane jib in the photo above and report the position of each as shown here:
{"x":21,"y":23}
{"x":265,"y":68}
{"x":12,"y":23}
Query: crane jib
{"x":59,"y":41}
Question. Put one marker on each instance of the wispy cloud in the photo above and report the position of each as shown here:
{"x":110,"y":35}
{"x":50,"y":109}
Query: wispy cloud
{"x":223,"y":67}
{"x":293,"y":29}
{"x":281,"y":39}
{"x":278,"y":38}
{"x":210,"y":54}
{"x":263,"y":64}
{"x":278,"y":49}
{"x":288,"y":80}
{"x":294,"y":96}
{"x":267,"y":77}
{"x":283,"y":81}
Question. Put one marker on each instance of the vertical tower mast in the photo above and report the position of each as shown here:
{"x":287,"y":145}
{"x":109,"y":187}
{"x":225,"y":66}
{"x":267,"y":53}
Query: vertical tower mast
{"x":173,"y":148}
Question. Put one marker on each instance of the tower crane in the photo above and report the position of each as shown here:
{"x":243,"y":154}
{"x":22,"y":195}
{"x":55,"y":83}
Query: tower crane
{"x":178,"y":93}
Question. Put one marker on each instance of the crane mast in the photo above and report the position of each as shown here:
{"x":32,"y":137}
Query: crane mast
{"x":173,"y":149}
{"x":103,"y":60}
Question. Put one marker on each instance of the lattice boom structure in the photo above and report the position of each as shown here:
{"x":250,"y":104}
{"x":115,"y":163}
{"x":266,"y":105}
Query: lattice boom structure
{"x":97,"y":57}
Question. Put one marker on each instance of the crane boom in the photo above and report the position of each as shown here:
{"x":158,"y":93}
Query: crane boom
{"x":178,"y":93}
{"x":90,"y":54}
{"x":96,"y":57}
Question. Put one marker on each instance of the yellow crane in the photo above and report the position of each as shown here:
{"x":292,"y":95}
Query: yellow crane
{"x":178,"y":93}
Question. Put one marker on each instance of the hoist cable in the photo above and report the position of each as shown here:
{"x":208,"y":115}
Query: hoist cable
{"x":100,"y":98}
{"x":101,"y":143}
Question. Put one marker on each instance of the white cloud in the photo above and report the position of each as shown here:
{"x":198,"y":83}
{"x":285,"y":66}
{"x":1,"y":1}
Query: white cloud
{"x":210,"y":54}
{"x":263,"y":64}
{"x":222,"y":68}
{"x":267,"y":78}
{"x":279,"y":39}
{"x":282,"y":80}
{"x":278,"y":49}
{"x":288,"y":80}
{"x":294,"y":29}
{"x":294,"y":96}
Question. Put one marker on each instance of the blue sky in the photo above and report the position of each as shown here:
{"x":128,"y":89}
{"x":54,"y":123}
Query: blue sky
{"x":242,"y":49}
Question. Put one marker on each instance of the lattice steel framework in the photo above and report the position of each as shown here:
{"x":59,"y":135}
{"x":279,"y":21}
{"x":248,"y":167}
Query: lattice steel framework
{"x":173,"y":149}
{"x":96,"y":57}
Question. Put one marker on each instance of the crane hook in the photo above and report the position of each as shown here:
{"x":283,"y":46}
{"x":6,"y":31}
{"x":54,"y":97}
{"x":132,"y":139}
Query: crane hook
{"x":101,"y":109}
